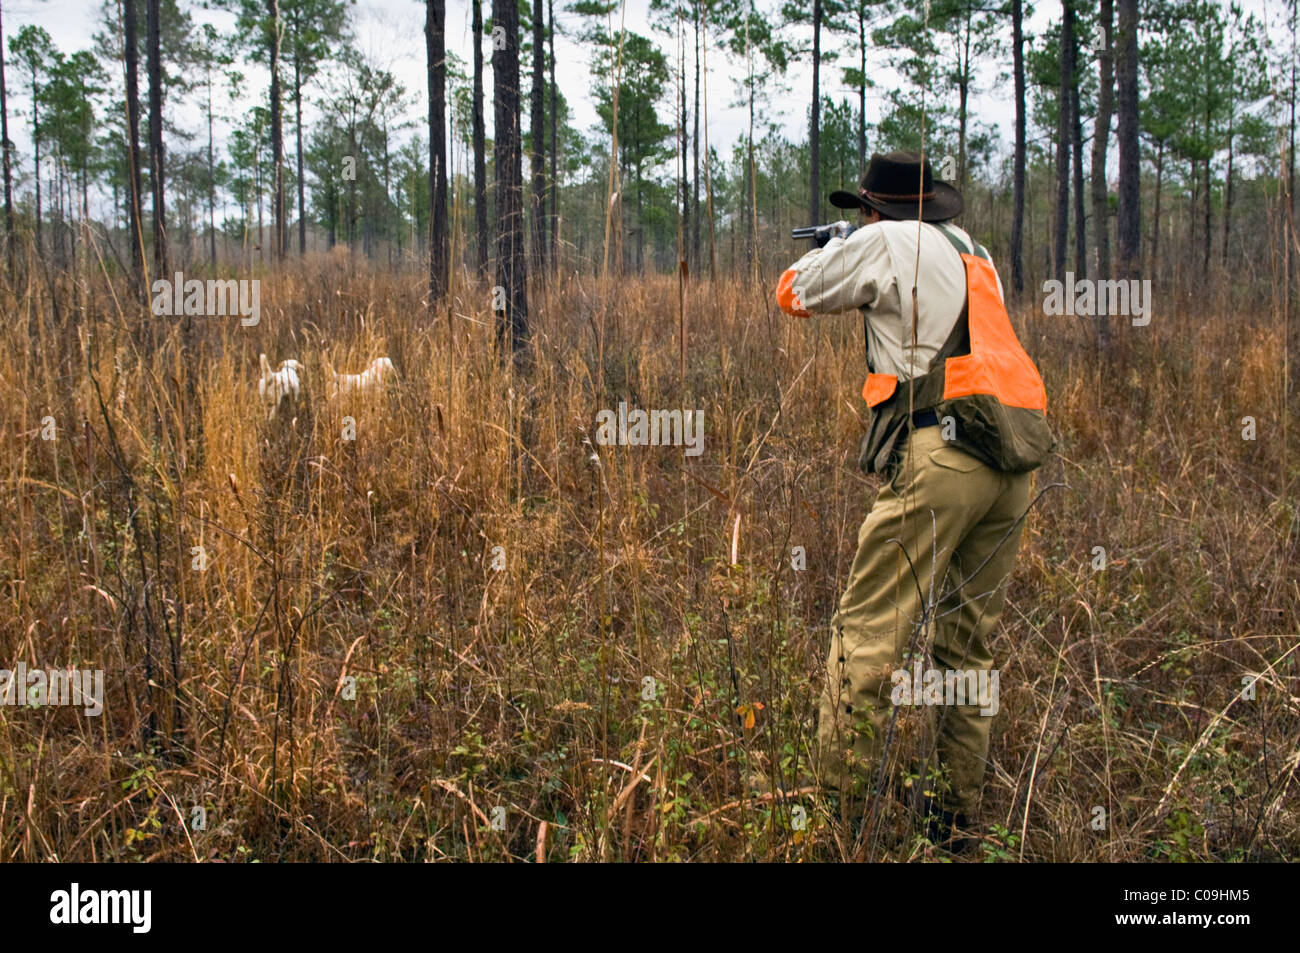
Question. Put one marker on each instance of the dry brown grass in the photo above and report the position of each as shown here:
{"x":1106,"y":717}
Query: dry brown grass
{"x":521,"y":689}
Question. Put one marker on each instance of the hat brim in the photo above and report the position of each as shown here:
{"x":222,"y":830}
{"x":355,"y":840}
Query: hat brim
{"x":946,"y":203}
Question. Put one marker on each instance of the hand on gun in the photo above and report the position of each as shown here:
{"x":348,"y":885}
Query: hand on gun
{"x":824,"y":233}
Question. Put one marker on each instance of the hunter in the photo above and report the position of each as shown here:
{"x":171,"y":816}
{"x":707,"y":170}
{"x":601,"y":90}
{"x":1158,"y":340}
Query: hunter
{"x":956,"y":420}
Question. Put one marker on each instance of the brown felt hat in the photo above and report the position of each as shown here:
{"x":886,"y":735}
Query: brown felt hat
{"x":890,"y":187}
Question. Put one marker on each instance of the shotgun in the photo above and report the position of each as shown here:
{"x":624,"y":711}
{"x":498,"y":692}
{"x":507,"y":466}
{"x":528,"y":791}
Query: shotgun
{"x":821,"y":234}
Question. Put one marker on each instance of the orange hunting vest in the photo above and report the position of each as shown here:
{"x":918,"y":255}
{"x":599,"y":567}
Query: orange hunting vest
{"x":993,"y":394}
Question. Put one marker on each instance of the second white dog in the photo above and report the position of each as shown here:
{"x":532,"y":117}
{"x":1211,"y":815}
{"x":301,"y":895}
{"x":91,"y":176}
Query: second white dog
{"x":371,"y":379}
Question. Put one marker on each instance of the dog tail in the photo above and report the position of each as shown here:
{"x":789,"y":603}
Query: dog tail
{"x":266,"y":365}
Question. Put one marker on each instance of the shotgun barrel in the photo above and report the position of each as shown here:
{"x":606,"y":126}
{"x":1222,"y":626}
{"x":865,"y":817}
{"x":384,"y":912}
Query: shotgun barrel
{"x":810,"y":231}
{"x":823,"y":233}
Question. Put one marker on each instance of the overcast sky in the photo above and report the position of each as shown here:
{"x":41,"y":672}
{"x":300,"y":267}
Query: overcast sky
{"x":390,"y":32}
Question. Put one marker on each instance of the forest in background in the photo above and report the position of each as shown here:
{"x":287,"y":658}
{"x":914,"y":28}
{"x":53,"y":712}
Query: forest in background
{"x":1137,"y":125}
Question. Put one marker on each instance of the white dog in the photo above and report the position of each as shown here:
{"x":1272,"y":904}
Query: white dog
{"x":372,"y":378}
{"x":278,"y":385}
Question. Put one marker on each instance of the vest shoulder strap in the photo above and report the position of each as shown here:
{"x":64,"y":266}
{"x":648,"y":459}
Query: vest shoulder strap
{"x":978,"y":250}
{"x":959,"y":334}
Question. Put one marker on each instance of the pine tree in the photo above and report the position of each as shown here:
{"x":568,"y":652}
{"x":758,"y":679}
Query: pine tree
{"x":157,"y":166}
{"x":1129,"y":217}
{"x":479,"y":135}
{"x":436,"y":13}
{"x":512,"y":267}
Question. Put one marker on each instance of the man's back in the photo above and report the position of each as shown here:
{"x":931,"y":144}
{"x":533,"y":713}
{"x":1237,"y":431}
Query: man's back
{"x":874,"y":269}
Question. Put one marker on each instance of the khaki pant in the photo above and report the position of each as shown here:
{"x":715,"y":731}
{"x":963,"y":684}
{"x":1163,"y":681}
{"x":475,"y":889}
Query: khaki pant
{"x":956,"y":518}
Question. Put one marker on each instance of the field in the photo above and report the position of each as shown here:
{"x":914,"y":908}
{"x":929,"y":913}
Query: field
{"x":315,"y":650}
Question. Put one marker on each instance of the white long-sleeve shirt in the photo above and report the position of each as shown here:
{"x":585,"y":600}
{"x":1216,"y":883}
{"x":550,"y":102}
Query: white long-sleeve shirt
{"x":873,"y":270}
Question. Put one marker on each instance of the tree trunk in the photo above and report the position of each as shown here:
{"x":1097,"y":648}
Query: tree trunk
{"x":333,"y":195}
{"x":1155,"y":227}
{"x":538,"y":106}
{"x":1290,"y":154}
{"x":1129,"y":218}
{"x":257,"y":191}
{"x":1018,"y":160}
{"x":351,"y":196}
{"x":154,"y":54}
{"x":1208,"y":238}
{"x":963,"y":97}
{"x":555,"y":145}
{"x":752,"y":244}
{"x":1063,"y":141}
{"x":708,"y":161}
{"x":640,"y":222}
{"x":814,"y":128}
{"x":212,"y":185}
{"x":480,"y":160}
{"x":862,"y":91}
{"x":1227,"y":184}
{"x":683,"y":154}
{"x":1100,"y":143}
{"x":695,"y":147}
{"x":297,"y":125}
{"x":36,"y":159}
{"x":511,"y":267}
{"x":135,"y":204}
{"x":279,"y":235}
{"x":381,"y":234}
{"x":1193,"y":204}
{"x":436,"y":62}
{"x":1205,"y":259}
{"x":4,"y":148}
{"x":1076,"y":148}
